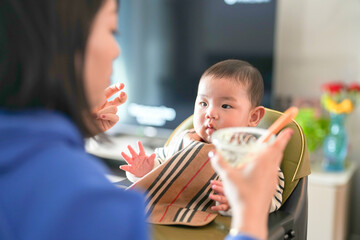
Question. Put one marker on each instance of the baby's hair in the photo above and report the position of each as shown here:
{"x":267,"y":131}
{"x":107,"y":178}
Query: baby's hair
{"x":244,"y":73}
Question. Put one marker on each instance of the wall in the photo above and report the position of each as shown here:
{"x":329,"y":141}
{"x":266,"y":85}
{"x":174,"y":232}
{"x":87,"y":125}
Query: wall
{"x":318,"y":41}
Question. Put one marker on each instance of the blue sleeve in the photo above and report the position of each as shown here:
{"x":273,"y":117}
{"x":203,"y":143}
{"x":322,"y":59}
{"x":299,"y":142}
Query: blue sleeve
{"x":90,"y":207}
{"x":72,"y":199}
{"x":99,"y":214}
{"x":240,"y":237}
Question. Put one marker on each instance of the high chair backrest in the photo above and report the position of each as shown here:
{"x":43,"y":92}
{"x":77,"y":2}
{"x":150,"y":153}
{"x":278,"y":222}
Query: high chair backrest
{"x":295,"y":164}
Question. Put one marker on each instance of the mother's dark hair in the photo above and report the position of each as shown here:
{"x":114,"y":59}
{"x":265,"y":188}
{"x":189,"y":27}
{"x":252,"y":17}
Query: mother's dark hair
{"x":41,"y":42}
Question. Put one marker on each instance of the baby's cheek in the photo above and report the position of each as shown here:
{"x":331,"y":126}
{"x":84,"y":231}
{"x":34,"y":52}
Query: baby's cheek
{"x":197,"y":128}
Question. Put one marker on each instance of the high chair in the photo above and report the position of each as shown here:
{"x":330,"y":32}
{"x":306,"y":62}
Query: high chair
{"x":289,"y":222}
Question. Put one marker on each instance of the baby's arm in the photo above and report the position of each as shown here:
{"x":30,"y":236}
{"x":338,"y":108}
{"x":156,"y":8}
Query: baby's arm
{"x":276,"y":201}
{"x":139,"y":164}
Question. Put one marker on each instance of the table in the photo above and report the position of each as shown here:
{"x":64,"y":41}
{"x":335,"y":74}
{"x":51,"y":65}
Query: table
{"x":328,"y":194}
{"x":218,"y":229}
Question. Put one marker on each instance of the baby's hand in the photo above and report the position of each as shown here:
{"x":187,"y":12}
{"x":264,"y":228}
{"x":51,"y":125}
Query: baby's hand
{"x":219,"y":196}
{"x":138,"y":164}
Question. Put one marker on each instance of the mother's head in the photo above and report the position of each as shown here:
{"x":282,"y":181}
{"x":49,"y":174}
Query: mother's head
{"x":57,"y":54}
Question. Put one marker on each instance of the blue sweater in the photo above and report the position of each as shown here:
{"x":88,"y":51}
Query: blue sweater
{"x":50,"y":188}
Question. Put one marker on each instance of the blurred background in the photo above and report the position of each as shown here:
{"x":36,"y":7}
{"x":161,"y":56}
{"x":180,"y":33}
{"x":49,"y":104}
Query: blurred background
{"x":297,"y":45}
{"x":168,"y":44}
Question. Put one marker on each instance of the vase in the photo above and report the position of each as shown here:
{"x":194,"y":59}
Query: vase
{"x":335,"y":144}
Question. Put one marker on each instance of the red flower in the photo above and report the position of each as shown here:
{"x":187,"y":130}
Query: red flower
{"x":334,"y":87}
{"x":354,"y":87}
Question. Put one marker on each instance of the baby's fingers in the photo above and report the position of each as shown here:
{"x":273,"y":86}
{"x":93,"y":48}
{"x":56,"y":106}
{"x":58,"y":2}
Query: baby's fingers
{"x":221,"y":207}
{"x":132,"y":152}
{"x":217,"y":186}
{"x":152,"y":157}
{"x":127,"y":158}
{"x":141,"y":148}
{"x":128,"y":168}
{"x":216,"y":182}
{"x":219,"y":198}
{"x":125,"y":168}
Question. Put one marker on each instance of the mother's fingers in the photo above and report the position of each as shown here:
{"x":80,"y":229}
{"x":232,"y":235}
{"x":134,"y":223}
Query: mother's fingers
{"x":282,"y":140}
{"x":111,"y":90}
{"x":113,"y":118}
{"x":108,"y":109}
{"x":217,"y":161}
{"x":119,"y":100}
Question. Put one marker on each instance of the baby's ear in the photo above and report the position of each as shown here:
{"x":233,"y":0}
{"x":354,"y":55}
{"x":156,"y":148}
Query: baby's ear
{"x":256,"y":115}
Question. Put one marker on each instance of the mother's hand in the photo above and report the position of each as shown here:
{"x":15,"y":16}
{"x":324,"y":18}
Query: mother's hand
{"x":105,"y":114}
{"x":250,"y":187}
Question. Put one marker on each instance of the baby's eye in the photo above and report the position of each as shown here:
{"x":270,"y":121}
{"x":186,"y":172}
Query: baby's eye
{"x":203,"y":104}
{"x":226,"y":106}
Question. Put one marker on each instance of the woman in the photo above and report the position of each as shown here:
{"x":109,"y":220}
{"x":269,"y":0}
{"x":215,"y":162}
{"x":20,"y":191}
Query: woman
{"x":56,"y":59}
{"x":55,"y":64}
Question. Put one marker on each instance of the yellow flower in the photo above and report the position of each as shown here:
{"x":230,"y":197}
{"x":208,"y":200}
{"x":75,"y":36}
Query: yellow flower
{"x":339,"y":98}
{"x":345,"y":106}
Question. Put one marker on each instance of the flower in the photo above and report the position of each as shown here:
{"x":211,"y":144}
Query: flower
{"x":354,"y":87}
{"x":339,"y":98}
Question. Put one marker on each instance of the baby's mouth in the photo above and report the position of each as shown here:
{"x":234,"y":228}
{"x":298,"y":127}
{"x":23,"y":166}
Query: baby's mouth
{"x":210,"y":129}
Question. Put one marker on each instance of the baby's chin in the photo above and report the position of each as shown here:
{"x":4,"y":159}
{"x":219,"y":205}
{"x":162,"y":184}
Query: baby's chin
{"x":207,"y":138}
{"x":204,"y":136}
{"x":208,"y":133}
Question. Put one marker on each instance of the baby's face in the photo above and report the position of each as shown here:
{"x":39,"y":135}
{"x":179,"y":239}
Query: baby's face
{"x":220,"y":103}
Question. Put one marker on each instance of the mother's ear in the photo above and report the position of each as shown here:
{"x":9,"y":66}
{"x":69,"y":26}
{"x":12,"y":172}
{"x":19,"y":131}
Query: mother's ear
{"x":256,"y":115}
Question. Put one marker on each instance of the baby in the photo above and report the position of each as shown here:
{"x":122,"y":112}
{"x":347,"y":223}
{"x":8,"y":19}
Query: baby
{"x":229,"y":95}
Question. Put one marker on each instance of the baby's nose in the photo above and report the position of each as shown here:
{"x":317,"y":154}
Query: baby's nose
{"x":212,"y":114}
